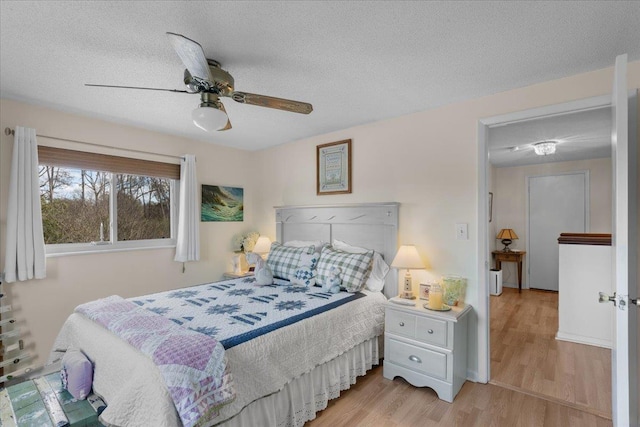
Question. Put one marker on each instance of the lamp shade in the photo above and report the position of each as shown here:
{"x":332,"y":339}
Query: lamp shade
{"x":507,"y":233}
{"x":263,"y":245}
{"x":407,"y":257}
{"x":209,"y":118}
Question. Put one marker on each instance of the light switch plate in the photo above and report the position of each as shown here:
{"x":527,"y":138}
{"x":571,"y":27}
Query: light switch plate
{"x":462,"y":232}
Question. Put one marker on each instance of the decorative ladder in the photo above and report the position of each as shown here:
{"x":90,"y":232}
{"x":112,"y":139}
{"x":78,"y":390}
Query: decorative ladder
{"x":12,"y":351}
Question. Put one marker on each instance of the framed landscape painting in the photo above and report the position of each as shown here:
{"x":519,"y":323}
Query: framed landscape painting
{"x":222,"y":203}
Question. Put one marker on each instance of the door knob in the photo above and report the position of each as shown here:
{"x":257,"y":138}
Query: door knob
{"x":606,"y":298}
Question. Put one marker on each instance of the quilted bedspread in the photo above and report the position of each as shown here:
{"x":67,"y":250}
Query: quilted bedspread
{"x":134,"y":389}
{"x":237,"y":311}
{"x":193,"y":365}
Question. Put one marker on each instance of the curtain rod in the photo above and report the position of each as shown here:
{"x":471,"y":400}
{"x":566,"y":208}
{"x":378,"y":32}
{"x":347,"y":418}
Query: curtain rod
{"x":9,"y":131}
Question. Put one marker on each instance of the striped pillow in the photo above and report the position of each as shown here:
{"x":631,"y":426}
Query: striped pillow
{"x":355,"y":267}
{"x":285,"y":260}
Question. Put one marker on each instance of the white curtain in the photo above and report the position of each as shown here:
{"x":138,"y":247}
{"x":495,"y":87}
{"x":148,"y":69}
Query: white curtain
{"x":25,"y":256}
{"x":188,"y":239}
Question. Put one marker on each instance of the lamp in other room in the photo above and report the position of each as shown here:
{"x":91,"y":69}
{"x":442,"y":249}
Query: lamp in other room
{"x":263,"y":246}
{"x":210,"y":115}
{"x":407,"y":258}
{"x":507,"y":235}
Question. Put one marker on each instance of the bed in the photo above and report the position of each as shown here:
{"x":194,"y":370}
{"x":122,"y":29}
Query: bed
{"x":282,"y":376}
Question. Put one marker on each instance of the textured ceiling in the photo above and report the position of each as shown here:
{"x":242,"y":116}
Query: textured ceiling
{"x":356,"y":62}
{"x":579,"y":136}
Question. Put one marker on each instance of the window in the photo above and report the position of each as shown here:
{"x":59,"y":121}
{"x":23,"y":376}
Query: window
{"x":97,"y":202}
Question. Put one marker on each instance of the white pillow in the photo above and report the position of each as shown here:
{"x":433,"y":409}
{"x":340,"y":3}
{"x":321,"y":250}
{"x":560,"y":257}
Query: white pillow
{"x":379,"y":268}
{"x":319,"y":244}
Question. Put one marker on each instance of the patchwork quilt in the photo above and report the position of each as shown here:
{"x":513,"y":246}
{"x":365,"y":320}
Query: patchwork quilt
{"x":193,"y":366}
{"x":237,"y":310}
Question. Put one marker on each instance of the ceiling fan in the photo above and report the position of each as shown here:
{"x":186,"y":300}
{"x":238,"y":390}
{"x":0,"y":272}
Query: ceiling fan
{"x":206,"y":77}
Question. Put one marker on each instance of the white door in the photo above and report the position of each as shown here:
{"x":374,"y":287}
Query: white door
{"x":557,"y":204}
{"x":624,"y":354}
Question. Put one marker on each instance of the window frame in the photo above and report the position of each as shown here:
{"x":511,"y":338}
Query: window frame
{"x":112,"y":244}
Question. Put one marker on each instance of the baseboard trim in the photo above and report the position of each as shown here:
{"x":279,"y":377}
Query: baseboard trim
{"x":577,"y":406}
{"x":580,"y":339}
{"x":472,"y":376}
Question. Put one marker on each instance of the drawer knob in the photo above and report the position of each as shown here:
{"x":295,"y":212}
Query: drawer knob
{"x":415,"y":359}
{"x":401,"y":323}
{"x":430,"y":331}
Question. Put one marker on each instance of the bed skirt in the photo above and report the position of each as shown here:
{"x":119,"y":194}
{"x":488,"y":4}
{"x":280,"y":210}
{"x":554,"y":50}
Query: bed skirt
{"x":300,"y":399}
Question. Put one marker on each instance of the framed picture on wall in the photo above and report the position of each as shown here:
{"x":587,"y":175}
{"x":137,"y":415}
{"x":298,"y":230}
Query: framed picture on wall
{"x":334,"y":168}
{"x":222,"y":203}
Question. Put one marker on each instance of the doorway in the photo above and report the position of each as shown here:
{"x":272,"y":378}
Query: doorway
{"x":556,"y":204}
{"x":487,"y":241}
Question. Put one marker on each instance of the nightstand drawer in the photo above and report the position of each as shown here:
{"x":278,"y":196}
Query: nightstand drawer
{"x":432,"y":331}
{"x":400,"y":323}
{"x":418,"y":359}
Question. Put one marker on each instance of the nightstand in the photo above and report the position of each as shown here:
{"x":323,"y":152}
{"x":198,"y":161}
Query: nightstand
{"x":427,"y":348}
{"x":231,"y":275}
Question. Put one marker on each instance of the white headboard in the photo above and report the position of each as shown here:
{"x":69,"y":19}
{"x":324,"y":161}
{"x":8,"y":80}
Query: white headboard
{"x":368,"y":225}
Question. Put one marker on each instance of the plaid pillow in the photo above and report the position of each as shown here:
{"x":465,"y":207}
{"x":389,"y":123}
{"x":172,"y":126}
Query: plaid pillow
{"x":285,"y":260}
{"x":355,"y":267}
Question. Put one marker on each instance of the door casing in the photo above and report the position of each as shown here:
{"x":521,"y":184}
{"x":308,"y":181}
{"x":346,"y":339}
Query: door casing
{"x":484,"y":255}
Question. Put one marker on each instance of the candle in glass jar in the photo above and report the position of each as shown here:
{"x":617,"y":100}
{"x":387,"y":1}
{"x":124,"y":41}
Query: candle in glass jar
{"x":435,"y":297}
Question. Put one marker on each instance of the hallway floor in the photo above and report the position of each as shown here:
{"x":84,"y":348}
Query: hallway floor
{"x":526,"y":357}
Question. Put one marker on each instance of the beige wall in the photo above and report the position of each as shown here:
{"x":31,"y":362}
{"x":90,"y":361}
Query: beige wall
{"x":510,"y":202}
{"x":41,"y":306}
{"x":426,"y":161}
{"x":493,"y":229}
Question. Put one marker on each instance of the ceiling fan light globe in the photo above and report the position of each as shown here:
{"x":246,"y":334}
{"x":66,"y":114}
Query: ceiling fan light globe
{"x":209,"y":119}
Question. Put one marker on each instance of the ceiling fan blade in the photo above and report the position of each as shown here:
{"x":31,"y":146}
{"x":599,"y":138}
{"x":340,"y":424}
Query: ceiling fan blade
{"x":192,"y":56}
{"x":137,"y":87}
{"x":272,"y":102}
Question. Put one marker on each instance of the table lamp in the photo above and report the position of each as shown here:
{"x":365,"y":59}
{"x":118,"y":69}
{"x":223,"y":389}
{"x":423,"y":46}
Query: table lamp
{"x":408,"y":258}
{"x":262,"y":246}
{"x":507,"y":235}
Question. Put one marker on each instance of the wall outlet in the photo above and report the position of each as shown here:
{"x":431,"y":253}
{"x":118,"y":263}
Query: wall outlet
{"x":462,"y":232}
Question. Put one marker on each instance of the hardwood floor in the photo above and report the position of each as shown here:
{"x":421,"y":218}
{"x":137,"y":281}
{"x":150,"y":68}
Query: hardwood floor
{"x":531,"y":374}
{"x":376,"y":401}
{"x":525,"y":354}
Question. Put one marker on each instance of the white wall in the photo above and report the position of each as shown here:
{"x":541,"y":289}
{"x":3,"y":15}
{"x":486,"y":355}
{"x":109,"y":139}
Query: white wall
{"x":41,"y":306}
{"x":510,"y":202}
{"x":581,"y":318}
{"x":426,"y":161}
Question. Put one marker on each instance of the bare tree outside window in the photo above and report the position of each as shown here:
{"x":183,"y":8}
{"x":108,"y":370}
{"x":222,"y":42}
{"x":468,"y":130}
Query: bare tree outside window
{"x":76,"y":202}
{"x":143,"y":208}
